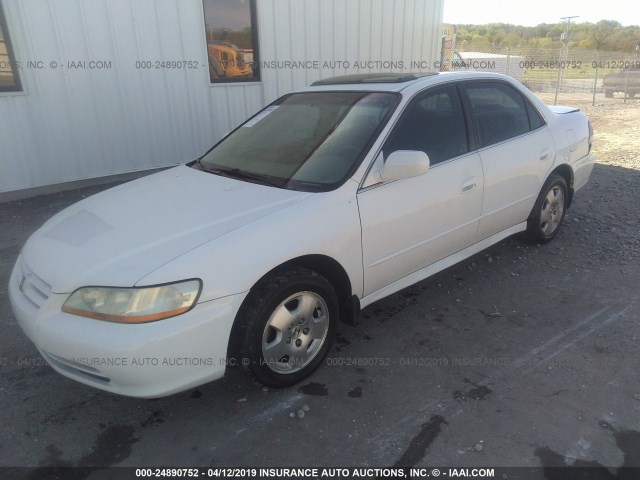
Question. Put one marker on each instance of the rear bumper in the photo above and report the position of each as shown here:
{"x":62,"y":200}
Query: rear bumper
{"x":582,"y":169}
{"x":147,"y":360}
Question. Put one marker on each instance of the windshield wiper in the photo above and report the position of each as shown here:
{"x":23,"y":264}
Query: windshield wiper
{"x":265,"y":179}
{"x":244,"y":175}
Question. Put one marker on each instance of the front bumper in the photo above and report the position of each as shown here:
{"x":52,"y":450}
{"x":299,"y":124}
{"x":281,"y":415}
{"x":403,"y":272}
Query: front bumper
{"x":147,"y":360}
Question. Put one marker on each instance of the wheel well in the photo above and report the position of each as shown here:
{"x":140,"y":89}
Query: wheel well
{"x":337,"y":276}
{"x":326,"y":266}
{"x":566,"y":172}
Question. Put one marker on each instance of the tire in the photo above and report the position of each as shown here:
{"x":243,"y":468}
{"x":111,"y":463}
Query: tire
{"x":608,"y":93}
{"x":287,"y":325}
{"x":549,"y":210}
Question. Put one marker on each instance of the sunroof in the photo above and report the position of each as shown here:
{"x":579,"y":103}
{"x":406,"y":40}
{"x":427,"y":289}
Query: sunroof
{"x":372,"y":78}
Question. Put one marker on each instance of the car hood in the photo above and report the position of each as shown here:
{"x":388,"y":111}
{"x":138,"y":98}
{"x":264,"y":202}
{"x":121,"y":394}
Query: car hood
{"x":119,"y":236}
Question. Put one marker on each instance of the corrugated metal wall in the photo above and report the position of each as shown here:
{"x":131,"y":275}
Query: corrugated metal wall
{"x":72,"y":124}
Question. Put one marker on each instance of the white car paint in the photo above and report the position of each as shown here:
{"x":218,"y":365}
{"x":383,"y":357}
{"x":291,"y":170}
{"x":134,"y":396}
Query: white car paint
{"x":164,"y":216}
{"x":438,"y":221}
{"x":513,"y":181}
{"x":184,"y":223}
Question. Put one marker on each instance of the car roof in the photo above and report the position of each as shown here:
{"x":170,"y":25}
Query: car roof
{"x":397,"y":82}
{"x":362,"y":78}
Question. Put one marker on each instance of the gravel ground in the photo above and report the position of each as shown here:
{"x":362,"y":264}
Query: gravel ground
{"x":523,"y":355}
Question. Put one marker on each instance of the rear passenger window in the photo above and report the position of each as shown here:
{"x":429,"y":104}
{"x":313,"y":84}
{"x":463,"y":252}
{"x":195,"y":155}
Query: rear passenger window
{"x":535,"y":120}
{"x":433,"y":124}
{"x":499,"y":112}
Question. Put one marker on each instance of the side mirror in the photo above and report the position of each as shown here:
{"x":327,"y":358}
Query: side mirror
{"x":405,"y":164}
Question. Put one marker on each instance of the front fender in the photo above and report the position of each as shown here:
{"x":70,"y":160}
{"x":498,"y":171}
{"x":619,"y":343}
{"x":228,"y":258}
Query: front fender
{"x":323,"y":224}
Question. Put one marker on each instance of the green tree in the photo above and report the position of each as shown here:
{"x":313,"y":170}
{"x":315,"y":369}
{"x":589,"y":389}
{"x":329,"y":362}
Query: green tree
{"x":602,"y":33}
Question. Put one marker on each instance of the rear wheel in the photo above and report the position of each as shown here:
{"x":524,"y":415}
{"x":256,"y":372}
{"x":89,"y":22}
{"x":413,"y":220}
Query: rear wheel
{"x":549,"y":210}
{"x":289,"y":322}
{"x":608,"y":93}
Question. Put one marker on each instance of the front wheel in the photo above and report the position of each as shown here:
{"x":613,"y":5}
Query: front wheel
{"x":289,"y":322}
{"x":549,"y":210}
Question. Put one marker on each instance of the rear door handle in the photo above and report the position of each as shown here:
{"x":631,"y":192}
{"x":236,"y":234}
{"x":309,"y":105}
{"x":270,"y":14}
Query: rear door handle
{"x":469,"y":185}
{"x":544,"y":154}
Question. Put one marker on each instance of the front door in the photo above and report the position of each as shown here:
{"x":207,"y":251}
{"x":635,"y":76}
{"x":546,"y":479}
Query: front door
{"x":409,"y":224}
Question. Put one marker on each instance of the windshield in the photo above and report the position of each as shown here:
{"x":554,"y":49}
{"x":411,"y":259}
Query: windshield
{"x":305,"y":141}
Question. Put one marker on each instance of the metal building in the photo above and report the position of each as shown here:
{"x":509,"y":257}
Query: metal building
{"x":92,"y":88}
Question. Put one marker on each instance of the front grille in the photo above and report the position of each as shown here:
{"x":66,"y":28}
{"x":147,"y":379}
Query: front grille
{"x":34,"y":289}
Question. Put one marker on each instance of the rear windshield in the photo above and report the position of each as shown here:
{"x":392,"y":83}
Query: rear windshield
{"x":305,"y":141}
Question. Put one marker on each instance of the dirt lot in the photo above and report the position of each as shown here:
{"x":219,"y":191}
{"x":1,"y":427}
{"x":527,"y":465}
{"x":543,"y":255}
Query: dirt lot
{"x":523,"y":355}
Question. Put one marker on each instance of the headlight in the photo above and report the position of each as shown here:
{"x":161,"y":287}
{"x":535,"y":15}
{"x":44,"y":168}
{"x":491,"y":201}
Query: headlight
{"x":134,"y":305}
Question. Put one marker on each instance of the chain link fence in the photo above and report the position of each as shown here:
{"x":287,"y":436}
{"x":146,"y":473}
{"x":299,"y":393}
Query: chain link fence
{"x":557,"y":75}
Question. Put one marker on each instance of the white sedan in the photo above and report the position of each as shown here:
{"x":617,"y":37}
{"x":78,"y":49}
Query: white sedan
{"x":327,"y":200}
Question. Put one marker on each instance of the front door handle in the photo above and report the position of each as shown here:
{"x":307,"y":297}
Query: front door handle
{"x":468,"y":185}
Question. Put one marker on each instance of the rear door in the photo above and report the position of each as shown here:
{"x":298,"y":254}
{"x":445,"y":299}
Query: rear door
{"x":516,"y":150}
{"x":411,"y":223}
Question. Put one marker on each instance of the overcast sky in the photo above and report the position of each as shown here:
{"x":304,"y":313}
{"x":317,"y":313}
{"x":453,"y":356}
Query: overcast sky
{"x":530,"y":13}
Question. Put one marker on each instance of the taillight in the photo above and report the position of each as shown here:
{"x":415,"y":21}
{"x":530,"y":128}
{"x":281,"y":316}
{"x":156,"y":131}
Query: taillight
{"x":590,"y":135}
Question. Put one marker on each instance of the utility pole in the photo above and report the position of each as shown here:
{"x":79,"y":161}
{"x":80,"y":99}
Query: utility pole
{"x":563,"y":53}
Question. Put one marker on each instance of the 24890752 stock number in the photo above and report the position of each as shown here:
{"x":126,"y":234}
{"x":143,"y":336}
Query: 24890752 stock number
{"x":168,"y":472}
{"x":533,"y":64}
{"x":577,"y":64}
{"x":359,"y":361}
{"x":196,"y":472}
{"x":168,"y":64}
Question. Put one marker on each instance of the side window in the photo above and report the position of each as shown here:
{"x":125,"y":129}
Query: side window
{"x":9,"y":79}
{"x":499,"y":112}
{"x":232,"y":40}
{"x":433,"y":124}
{"x":535,"y":120}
